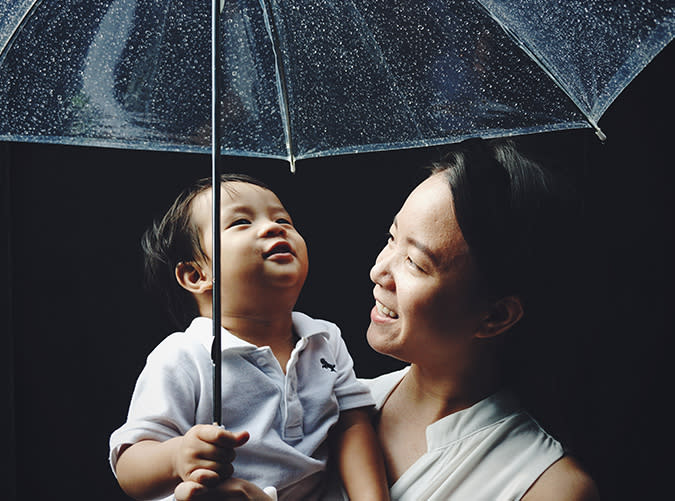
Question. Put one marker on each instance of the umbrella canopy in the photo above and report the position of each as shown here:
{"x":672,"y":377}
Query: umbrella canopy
{"x":308,"y":78}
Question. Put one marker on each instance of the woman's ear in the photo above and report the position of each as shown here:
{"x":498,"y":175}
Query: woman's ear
{"x":191,"y":277}
{"x":504,"y":314}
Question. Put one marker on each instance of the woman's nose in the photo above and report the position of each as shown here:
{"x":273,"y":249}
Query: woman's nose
{"x":380,"y":273}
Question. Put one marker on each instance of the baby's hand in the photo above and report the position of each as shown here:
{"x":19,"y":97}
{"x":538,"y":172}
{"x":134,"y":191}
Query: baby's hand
{"x":230,"y":490}
{"x":208,"y":450}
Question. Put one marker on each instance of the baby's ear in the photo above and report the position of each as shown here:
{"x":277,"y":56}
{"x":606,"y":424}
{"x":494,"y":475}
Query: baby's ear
{"x":192,"y":278}
{"x":504,"y":314}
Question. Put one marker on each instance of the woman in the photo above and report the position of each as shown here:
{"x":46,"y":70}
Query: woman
{"x":467,"y":261}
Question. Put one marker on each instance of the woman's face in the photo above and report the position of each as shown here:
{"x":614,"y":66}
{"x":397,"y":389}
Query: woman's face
{"x":427,"y":304}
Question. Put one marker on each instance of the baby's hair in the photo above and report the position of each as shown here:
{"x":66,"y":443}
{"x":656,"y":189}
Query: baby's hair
{"x":174,"y":239}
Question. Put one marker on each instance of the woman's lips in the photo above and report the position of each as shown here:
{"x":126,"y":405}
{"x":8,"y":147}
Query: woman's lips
{"x":385,"y":311}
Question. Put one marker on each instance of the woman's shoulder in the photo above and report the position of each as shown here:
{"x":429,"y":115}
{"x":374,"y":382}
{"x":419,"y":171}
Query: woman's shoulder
{"x":381,"y":386}
{"x":564,"y":480}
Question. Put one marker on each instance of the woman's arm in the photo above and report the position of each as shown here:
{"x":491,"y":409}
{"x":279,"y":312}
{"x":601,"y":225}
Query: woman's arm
{"x":564,"y":480}
{"x":359,"y":458}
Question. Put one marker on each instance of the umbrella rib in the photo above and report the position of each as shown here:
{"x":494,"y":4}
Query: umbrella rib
{"x":282,"y":85}
{"x":10,"y":41}
{"x":542,"y":64}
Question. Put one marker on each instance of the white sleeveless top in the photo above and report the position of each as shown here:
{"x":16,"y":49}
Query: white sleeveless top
{"x":491,"y":451}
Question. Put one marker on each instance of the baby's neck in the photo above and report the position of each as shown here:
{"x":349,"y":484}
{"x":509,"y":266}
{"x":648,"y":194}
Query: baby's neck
{"x":265,"y":330}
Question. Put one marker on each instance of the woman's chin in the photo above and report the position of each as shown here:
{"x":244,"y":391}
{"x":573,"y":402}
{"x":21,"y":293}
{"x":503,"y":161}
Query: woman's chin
{"x":380,"y":340}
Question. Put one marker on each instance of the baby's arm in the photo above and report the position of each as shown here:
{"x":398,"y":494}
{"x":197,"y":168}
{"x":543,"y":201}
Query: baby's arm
{"x":359,"y":458}
{"x":149,"y":469}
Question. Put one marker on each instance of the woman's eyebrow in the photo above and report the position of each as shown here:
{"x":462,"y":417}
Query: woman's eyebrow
{"x":424,"y":249}
{"x":420,"y":246}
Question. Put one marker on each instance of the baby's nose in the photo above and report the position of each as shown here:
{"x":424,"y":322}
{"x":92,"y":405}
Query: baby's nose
{"x":272,"y":228}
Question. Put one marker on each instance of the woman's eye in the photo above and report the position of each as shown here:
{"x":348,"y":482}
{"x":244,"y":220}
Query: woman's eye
{"x":413,"y":264}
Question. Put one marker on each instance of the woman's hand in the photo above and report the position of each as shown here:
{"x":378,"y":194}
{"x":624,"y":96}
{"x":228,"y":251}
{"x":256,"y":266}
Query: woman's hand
{"x":233,"y":489}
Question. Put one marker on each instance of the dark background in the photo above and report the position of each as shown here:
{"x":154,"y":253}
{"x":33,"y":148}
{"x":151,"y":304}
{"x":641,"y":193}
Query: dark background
{"x":77,"y":325}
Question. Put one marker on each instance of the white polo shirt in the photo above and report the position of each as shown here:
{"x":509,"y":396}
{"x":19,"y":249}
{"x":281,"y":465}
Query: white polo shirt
{"x":288,"y":415}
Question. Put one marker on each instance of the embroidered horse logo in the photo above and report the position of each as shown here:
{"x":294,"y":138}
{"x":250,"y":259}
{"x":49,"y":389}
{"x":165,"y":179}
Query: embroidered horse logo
{"x":326,"y":365}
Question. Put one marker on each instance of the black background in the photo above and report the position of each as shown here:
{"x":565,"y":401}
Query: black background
{"x":77,"y":325}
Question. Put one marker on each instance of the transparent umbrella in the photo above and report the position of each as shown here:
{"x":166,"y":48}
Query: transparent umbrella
{"x":307,"y":78}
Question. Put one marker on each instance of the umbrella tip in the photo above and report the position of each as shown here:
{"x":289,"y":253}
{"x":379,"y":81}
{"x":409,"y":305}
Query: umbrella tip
{"x":598,"y":131}
{"x":291,"y":162}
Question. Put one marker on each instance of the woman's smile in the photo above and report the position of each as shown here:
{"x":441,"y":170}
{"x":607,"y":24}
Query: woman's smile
{"x":382,"y":309}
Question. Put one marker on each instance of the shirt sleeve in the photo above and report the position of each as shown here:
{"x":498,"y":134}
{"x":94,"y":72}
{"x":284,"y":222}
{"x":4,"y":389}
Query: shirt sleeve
{"x":349,"y":391}
{"x":164,"y":400}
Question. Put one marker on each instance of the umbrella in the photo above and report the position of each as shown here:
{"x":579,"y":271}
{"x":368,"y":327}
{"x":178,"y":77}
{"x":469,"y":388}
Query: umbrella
{"x":308,"y":78}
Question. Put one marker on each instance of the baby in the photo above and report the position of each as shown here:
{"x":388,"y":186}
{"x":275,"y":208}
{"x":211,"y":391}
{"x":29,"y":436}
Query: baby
{"x":288,"y":389}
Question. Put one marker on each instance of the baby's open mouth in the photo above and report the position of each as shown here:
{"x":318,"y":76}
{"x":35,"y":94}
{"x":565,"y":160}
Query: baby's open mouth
{"x":279,"y":248}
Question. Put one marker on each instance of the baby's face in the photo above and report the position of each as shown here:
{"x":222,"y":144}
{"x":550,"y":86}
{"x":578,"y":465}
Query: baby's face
{"x":261,"y":251}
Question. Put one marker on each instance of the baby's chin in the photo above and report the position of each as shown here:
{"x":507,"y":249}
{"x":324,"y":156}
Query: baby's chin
{"x":286,"y":282}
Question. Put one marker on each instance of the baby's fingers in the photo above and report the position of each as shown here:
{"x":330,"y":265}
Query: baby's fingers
{"x":216,"y":469}
{"x":207,"y":478}
{"x":190,"y":491}
{"x":221,"y":437}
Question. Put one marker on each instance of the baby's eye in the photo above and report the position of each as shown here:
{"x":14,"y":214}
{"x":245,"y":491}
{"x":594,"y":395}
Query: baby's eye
{"x":283,"y":220}
{"x":239,"y":222}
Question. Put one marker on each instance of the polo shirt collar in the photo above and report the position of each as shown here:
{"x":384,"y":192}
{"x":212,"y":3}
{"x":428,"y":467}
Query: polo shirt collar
{"x":202,"y":328}
{"x":306,"y":327}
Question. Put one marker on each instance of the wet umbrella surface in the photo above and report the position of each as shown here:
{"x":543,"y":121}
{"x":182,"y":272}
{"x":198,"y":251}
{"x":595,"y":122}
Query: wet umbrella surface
{"x":303,"y":79}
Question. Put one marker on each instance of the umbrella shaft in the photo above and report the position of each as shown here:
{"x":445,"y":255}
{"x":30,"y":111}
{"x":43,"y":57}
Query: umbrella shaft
{"x":216,"y":171}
